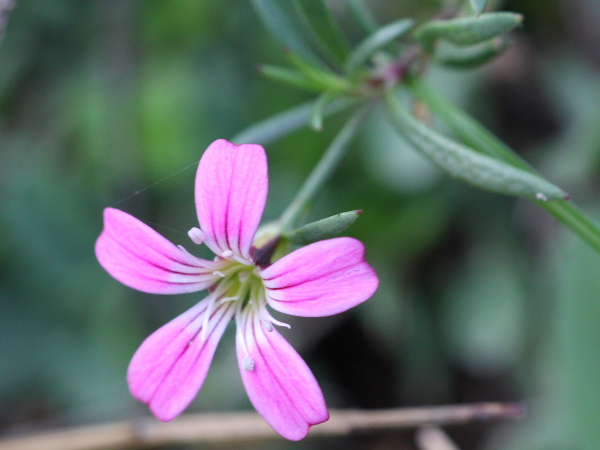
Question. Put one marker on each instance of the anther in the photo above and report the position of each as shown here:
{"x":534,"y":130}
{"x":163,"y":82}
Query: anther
{"x":228,"y":299}
{"x":219,"y":273}
{"x":243,"y":276}
{"x":227,"y":254}
{"x":248,"y":364}
{"x":267,"y":325}
{"x":541,"y":197}
{"x":197,"y":235}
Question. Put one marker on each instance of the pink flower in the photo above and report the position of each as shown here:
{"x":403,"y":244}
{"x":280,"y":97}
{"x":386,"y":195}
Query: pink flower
{"x":321,"y":279}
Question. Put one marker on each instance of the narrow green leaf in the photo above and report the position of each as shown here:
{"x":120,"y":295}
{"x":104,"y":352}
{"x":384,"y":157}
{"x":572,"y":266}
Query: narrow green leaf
{"x":481,"y":139}
{"x":363,"y":16}
{"x":316,"y":116}
{"x":374,"y":42}
{"x":467,"y":30}
{"x":280,"y":17}
{"x":477,"y":6}
{"x":291,"y":77}
{"x":284,"y":123}
{"x":473,"y":56}
{"x":468,"y":165}
{"x":323,"y":229}
{"x":324,"y":77}
{"x":465,"y":127}
{"x":325,"y":28}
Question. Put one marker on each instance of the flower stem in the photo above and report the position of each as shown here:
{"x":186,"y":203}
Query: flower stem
{"x":322,"y":171}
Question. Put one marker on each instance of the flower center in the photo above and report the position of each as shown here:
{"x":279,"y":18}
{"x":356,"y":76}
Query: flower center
{"x":240,"y":284}
{"x":242,"y":287}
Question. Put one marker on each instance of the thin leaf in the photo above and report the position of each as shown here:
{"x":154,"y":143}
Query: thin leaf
{"x":363,"y":15}
{"x":467,"y":30}
{"x":325,"y":29}
{"x":316,"y":116}
{"x":468,"y":165}
{"x":324,"y":77}
{"x":374,"y":42}
{"x":280,"y":17}
{"x":323,"y":229}
{"x":465,"y":127}
{"x":282,"y":124}
{"x":291,"y":77}
{"x":477,"y":6}
{"x":474,"y":56}
{"x":481,"y":139}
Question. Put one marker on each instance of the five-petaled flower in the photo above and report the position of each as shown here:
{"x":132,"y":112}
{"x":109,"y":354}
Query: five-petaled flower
{"x":321,"y":279}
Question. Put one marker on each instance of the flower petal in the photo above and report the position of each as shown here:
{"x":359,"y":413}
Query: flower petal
{"x":142,"y":259}
{"x":169,"y":368}
{"x":231,"y":191}
{"x":279,"y":383}
{"x":321,"y":279}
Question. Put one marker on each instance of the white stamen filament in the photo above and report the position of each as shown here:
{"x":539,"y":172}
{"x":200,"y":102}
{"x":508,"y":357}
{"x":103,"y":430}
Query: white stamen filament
{"x":229,"y":299}
{"x":197,"y":235}
{"x":275,"y":321}
{"x":242,"y":260}
{"x":264,"y":313}
{"x":207,"y":313}
{"x":211,"y":300}
{"x":240,"y":320}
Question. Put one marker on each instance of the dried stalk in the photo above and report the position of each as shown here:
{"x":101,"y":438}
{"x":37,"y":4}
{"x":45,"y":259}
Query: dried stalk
{"x":249,"y":427}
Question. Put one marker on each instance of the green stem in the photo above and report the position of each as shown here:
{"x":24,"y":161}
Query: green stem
{"x":480,"y":138}
{"x":323,"y":170}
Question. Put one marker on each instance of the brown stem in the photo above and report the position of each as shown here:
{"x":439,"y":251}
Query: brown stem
{"x":249,"y":427}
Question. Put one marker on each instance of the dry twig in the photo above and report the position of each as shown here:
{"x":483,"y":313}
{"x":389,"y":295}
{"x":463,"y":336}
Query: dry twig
{"x":249,"y":426}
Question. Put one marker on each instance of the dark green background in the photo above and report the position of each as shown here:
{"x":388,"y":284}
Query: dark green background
{"x":482,"y":297}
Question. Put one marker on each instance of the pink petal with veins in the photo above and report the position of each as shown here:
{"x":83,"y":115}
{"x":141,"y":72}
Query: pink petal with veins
{"x":321,"y":279}
{"x":280,"y":385}
{"x":169,"y":368}
{"x":142,"y":259}
{"x":231,"y":191}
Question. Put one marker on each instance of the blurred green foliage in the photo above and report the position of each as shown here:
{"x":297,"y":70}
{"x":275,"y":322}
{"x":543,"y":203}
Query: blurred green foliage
{"x":482,"y":297}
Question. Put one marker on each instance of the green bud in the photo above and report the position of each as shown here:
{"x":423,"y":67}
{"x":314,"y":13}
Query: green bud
{"x":323,"y":229}
{"x":467,"y":30}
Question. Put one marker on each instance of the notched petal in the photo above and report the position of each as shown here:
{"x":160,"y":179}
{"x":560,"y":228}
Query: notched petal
{"x":321,"y":279}
{"x":231,"y":191}
{"x":142,"y":259}
{"x":279,"y":383}
{"x":169,"y":368}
